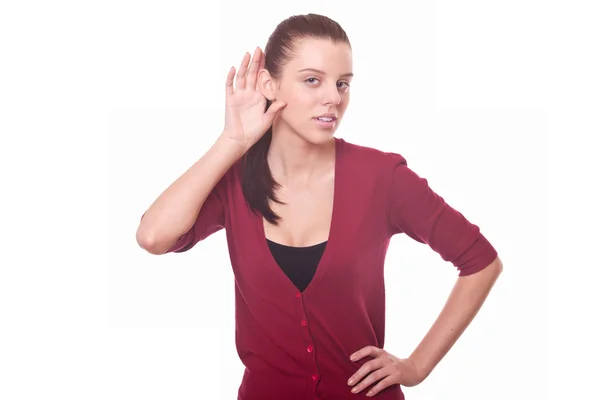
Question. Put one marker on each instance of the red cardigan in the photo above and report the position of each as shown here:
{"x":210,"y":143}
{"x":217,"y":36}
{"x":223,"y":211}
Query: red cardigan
{"x":296,"y":346}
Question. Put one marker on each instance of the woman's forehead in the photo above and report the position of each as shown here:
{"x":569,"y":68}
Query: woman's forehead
{"x":322,"y":55}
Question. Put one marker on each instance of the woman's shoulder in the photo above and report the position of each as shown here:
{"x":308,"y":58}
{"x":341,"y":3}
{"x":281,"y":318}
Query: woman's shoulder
{"x":360,"y":156}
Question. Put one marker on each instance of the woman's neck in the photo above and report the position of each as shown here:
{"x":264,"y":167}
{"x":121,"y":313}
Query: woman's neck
{"x":294,"y":161}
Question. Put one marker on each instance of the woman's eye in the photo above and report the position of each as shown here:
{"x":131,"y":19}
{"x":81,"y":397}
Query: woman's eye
{"x":340,"y":85}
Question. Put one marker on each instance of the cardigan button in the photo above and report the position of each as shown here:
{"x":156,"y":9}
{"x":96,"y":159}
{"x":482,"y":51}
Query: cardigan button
{"x":315,"y":377}
{"x":310,"y":348}
{"x":298,"y":294}
{"x":303,"y":323}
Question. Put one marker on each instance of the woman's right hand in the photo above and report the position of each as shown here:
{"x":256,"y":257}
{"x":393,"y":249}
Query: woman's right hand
{"x":245,"y":118}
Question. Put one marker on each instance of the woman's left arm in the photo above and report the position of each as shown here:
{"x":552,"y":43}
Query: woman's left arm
{"x":465,"y":300}
{"x":418,"y":211}
{"x":385,"y":369}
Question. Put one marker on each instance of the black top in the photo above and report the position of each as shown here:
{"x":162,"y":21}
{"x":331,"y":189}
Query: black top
{"x":298,"y":263}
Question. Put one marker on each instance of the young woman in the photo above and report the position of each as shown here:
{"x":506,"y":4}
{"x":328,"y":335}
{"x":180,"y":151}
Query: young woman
{"x":308,"y":219}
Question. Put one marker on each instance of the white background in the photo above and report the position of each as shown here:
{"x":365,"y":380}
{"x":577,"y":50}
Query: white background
{"x":104,"y":104}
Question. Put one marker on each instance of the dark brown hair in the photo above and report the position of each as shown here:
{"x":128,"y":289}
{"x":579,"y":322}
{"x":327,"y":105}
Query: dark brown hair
{"x":258,"y":184}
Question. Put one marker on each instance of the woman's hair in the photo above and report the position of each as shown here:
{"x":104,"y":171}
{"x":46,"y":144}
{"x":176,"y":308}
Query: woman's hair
{"x":258,"y":184}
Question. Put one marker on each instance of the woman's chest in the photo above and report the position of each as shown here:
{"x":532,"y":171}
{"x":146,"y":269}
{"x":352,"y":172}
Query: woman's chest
{"x":305,"y":216}
{"x":355,"y":238}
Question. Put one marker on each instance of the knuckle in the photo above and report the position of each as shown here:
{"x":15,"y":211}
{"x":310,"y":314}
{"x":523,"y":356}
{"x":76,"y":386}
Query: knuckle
{"x":381,"y":374}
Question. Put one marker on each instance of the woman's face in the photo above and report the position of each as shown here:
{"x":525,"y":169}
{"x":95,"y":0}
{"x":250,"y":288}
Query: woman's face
{"x":315,"y":85}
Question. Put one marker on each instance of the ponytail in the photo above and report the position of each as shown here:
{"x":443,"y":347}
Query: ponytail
{"x":258,"y":184}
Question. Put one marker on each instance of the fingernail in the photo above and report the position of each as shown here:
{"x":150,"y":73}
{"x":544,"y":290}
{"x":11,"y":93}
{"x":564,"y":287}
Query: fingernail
{"x":351,"y":381}
{"x":370,"y":394}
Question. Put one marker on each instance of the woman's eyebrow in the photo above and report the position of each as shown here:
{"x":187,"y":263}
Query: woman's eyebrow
{"x":323,"y":73}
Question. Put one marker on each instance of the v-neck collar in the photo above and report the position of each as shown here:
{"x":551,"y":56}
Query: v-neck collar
{"x":324,"y":262}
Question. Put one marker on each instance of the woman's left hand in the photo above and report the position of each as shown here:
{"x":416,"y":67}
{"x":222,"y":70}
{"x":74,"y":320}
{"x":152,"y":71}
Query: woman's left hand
{"x":385,"y":368}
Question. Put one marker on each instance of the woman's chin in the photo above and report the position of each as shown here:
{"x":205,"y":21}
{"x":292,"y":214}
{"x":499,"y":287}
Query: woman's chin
{"x":318,"y":136}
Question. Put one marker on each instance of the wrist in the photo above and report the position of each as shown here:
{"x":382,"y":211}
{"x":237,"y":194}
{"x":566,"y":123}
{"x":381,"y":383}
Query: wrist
{"x":420,"y":367}
{"x":226,"y":143}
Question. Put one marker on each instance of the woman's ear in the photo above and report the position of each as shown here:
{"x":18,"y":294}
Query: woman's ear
{"x":266,"y":85}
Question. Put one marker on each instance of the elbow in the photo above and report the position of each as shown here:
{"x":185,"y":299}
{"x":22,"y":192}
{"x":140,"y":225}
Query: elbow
{"x":498,"y":266}
{"x":142,"y":237}
{"x":146,"y":239}
{"x":147,"y":242}
{"x":494,"y":270}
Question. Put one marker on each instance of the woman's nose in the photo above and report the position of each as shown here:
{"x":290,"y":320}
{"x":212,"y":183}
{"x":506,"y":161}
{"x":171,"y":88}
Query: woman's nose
{"x":332,"y":95}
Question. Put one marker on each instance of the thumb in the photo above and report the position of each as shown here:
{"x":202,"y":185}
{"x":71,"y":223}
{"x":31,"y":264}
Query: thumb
{"x":273,"y":110}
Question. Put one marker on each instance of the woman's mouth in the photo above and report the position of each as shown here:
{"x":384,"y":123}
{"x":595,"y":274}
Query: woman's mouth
{"x":326,"y":122}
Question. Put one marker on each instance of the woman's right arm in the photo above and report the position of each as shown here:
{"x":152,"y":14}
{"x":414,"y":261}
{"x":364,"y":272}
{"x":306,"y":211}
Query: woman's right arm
{"x":174,"y":212}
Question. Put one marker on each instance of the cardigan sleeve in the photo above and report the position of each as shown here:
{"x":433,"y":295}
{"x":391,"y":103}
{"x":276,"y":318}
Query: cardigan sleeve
{"x":419,"y":212}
